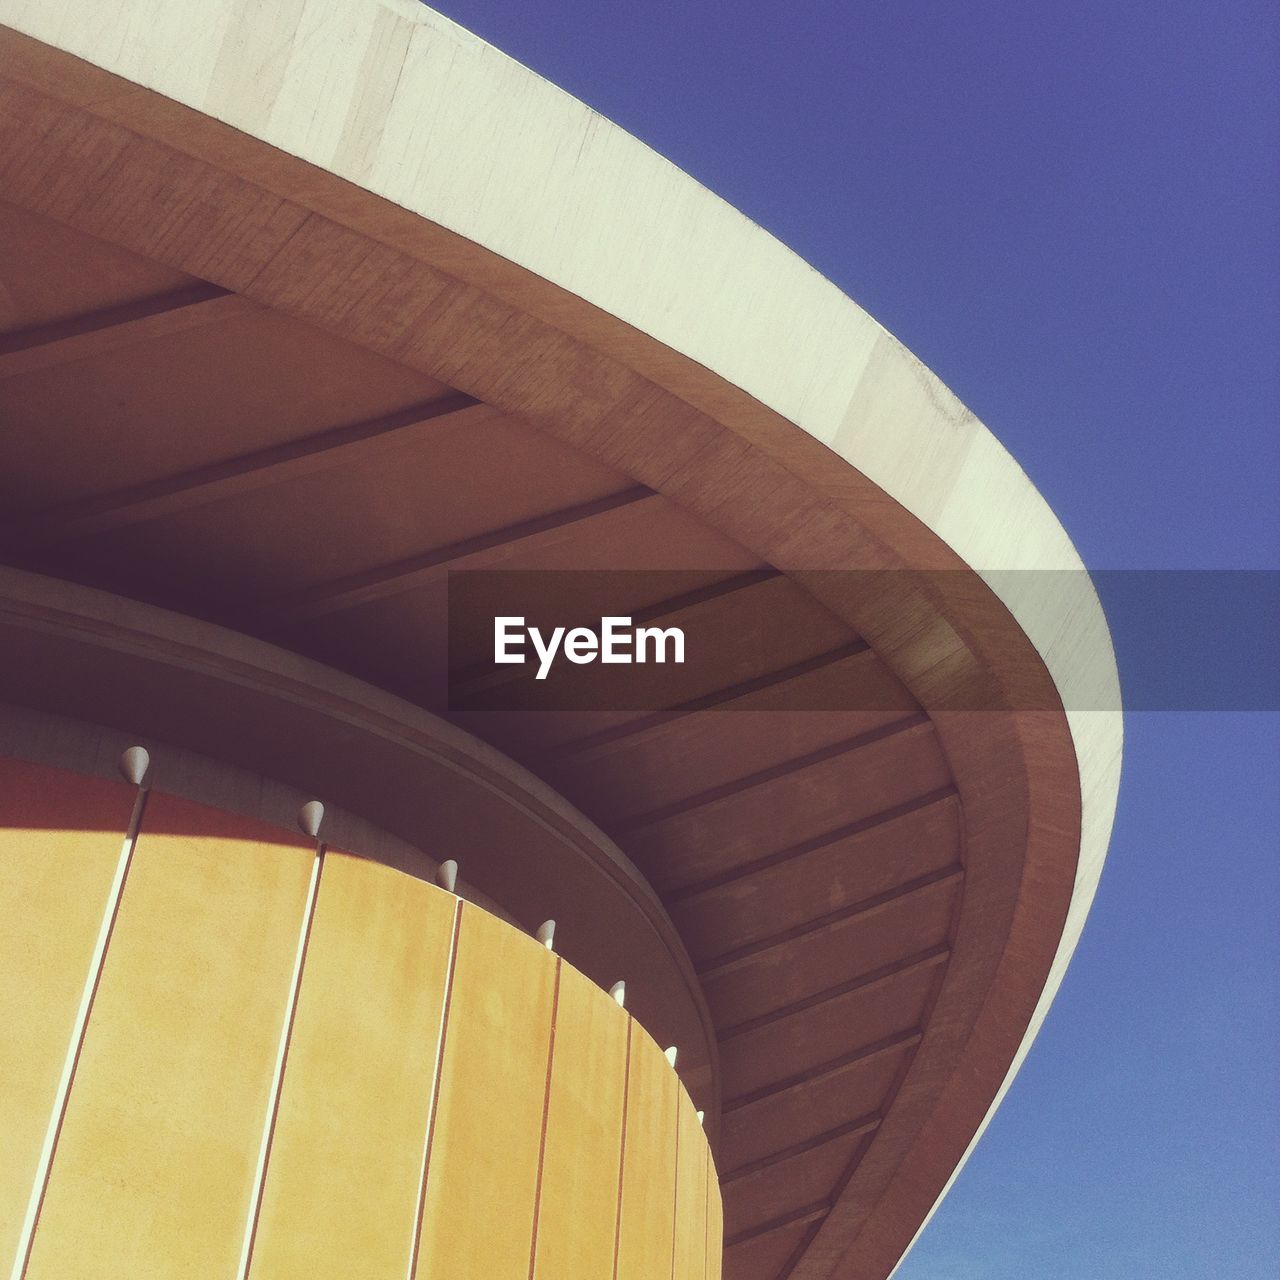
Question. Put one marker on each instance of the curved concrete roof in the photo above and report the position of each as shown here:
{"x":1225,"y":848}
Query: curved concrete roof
{"x":660,"y":332}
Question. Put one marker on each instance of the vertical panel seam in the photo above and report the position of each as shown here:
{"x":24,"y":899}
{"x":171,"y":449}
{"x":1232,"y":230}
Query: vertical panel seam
{"x":75,"y":1043}
{"x":622,"y":1150}
{"x":675,"y":1188}
{"x":436,"y":1072}
{"x":707,"y":1210}
{"x":282,"y":1058}
{"x":546,"y":1113}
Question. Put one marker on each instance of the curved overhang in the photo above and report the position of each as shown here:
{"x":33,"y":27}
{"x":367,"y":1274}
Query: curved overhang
{"x":373,"y":171}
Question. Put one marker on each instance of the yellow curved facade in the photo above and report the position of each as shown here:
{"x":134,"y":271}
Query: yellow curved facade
{"x":233,"y":1052}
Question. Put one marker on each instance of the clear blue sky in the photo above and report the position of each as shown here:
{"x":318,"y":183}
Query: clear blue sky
{"x":1072,"y":214}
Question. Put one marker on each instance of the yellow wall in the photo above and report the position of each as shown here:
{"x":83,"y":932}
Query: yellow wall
{"x":455,"y":1102}
{"x":53,"y":887}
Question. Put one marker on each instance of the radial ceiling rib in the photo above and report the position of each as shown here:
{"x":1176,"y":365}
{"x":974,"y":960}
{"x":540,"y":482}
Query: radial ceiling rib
{"x":345,"y":446}
{"x":931,"y":956}
{"x":592,"y":746}
{"x":903,"y":1040}
{"x":730,"y":789}
{"x":806,"y":1214}
{"x":104,"y":331}
{"x":483,"y":552}
{"x":863,"y":1125}
{"x":745,"y":870}
{"x":731,"y":960}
